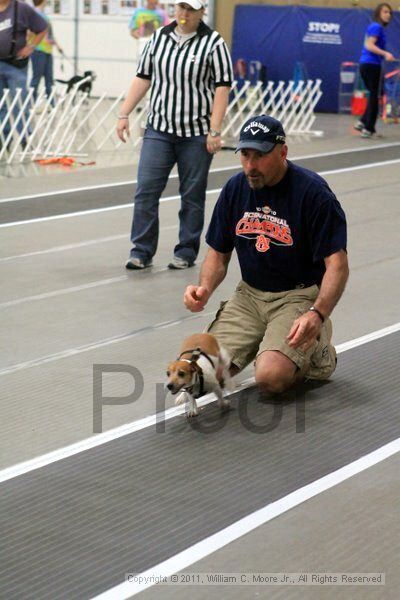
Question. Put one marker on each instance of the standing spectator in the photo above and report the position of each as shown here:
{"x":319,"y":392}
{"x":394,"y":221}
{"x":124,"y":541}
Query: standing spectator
{"x":372,"y":55}
{"x":289,"y":233}
{"x":42,"y":57}
{"x":189,"y":70}
{"x":16,"y":18}
{"x":145,"y":21}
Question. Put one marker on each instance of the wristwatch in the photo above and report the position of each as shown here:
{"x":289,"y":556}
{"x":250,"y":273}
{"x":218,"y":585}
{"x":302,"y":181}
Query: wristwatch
{"x":214,"y":133}
{"x":319,"y":313}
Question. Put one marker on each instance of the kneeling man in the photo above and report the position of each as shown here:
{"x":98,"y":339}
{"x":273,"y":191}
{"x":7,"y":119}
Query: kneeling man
{"x":289,"y":233}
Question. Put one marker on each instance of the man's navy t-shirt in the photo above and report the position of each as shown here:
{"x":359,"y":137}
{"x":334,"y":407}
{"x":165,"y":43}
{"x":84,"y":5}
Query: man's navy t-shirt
{"x":281,"y":233}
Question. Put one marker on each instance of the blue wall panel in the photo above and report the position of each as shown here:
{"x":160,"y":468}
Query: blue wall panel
{"x":322,"y":38}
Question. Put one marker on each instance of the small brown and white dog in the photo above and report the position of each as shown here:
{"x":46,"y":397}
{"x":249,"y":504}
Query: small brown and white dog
{"x":201,"y":367}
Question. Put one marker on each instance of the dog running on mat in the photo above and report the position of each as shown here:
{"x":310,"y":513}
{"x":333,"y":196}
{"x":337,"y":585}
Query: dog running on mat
{"x":201,"y":367}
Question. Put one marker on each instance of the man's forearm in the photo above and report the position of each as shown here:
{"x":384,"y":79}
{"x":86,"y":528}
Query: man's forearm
{"x":213,"y":270}
{"x":333,"y":283}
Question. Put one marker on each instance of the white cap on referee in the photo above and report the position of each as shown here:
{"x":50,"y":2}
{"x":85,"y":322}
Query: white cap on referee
{"x":196,"y":4}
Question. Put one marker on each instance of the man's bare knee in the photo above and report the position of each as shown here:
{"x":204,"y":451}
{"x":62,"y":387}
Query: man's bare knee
{"x":275,"y":373}
{"x":274,"y":383}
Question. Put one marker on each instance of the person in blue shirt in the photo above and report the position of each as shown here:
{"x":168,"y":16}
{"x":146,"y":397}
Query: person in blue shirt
{"x":289,"y":233}
{"x":372,"y":55}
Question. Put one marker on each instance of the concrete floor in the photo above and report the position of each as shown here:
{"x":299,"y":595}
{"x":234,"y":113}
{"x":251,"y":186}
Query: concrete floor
{"x":68,"y":303}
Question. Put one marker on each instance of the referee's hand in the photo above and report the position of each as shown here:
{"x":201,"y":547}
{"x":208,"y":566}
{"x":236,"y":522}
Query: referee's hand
{"x":123,"y":129}
{"x":214,"y":144}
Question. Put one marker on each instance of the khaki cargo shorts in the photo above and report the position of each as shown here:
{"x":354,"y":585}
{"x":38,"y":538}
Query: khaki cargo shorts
{"x":253,"y":321}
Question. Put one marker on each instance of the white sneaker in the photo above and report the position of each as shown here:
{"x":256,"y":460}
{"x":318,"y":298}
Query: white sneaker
{"x":137,"y":263}
{"x":359,"y":126}
{"x":179,"y":263}
{"x":366,"y":134}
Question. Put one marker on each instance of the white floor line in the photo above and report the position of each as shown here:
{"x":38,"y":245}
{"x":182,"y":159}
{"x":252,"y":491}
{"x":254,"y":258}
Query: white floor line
{"x":104,"y":240}
{"x":247,"y":524}
{"x":53,"y":249}
{"x":383,"y":163}
{"x":347,"y":151}
{"x":152,"y":420}
{"x":92,"y":211}
{"x":64,"y":291}
{"x":369,"y":337}
{"x":175,"y":176}
{"x":43,"y":360}
{"x":86,"y":188}
{"x":84,"y":213}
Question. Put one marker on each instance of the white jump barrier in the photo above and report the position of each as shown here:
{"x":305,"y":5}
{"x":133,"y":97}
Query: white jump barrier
{"x":293,"y":104}
{"x":67,"y":124}
{"x":108,"y":133}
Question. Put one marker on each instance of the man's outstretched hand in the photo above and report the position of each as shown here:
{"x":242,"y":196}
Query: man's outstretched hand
{"x":195,"y":297}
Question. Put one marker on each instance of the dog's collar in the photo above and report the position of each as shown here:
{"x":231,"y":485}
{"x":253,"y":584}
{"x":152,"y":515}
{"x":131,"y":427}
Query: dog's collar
{"x":199,"y":379}
{"x":196,"y":353}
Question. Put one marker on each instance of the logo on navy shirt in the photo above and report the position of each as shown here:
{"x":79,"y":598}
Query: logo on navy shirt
{"x":265,"y":227}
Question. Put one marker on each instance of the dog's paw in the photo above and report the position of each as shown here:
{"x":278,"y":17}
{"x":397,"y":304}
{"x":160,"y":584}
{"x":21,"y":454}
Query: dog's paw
{"x":180,"y":399}
{"x":191,"y":408}
{"x":224,"y":405}
{"x":191,"y":414}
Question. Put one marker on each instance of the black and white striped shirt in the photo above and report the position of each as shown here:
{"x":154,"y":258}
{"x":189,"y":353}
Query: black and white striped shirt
{"x":183,"y":78}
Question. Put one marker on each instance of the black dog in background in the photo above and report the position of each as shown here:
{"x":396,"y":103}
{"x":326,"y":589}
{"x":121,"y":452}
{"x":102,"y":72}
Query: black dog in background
{"x":76,"y":81}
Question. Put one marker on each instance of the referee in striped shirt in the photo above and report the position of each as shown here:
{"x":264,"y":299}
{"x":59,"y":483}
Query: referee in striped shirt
{"x":187,"y":67}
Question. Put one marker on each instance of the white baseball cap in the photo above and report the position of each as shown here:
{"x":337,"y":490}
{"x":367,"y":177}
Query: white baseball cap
{"x":196,"y":4}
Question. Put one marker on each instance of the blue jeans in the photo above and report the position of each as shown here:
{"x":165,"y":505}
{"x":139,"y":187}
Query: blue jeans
{"x":12,"y":78}
{"x":42,"y":66}
{"x":160,"y":152}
